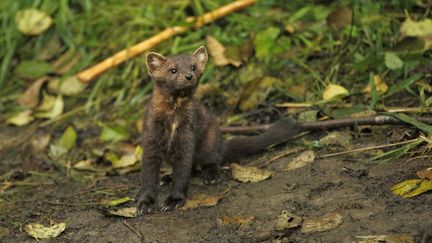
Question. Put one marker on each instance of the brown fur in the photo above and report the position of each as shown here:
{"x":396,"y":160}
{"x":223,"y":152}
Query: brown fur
{"x":179,"y":130}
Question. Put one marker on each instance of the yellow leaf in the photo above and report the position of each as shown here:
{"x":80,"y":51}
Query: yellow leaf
{"x":411,"y":188}
{"x":416,"y":28}
{"x":287,"y":220}
{"x":202,"y":201}
{"x":249,"y":174}
{"x":303,"y":159}
{"x":21,"y":119}
{"x":217,"y":50}
{"x":380,"y":85}
{"x":333,"y":91}
{"x":55,"y":111}
{"x":123,"y":212}
{"x":32,"y":21}
{"x":69,"y":86}
{"x":39,"y":231}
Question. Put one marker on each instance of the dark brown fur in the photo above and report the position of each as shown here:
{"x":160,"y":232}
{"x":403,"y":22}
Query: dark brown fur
{"x":180,"y":131}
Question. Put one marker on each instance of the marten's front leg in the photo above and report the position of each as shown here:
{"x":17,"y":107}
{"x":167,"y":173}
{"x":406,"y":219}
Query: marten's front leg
{"x":181,"y":160}
{"x":151,"y":162}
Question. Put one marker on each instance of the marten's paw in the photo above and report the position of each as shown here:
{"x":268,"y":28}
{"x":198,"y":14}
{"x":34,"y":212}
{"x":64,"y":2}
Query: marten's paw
{"x":210,"y":175}
{"x":172,"y":203}
{"x":146,"y":204}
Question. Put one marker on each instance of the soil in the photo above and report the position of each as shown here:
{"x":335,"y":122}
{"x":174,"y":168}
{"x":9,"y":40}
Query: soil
{"x":347,"y":184}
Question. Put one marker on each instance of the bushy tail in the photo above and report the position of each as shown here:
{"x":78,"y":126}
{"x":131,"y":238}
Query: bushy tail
{"x":243,"y":146}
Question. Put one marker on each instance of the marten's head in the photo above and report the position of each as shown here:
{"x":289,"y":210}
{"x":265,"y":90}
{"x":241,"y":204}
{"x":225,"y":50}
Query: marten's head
{"x":177,"y":75}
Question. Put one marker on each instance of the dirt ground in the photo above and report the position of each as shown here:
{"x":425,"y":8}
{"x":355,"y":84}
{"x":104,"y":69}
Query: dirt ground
{"x":348,"y":185}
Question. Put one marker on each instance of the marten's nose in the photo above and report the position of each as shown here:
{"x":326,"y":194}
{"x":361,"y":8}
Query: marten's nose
{"x":188,"y":76}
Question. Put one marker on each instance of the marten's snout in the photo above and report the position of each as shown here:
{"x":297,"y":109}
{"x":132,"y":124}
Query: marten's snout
{"x":188,"y":76}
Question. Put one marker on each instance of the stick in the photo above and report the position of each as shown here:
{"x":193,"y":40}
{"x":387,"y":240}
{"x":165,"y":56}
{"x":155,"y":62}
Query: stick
{"x":330,"y":124}
{"x":121,"y":56}
{"x":138,"y":233}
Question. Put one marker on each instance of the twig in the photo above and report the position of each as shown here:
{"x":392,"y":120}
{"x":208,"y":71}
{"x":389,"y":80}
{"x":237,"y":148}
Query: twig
{"x":330,"y":124}
{"x":140,"y":236}
{"x":368,"y":148}
{"x":120,"y":57}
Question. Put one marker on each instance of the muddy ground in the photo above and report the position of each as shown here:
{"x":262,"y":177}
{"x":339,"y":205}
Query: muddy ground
{"x":347,"y":184}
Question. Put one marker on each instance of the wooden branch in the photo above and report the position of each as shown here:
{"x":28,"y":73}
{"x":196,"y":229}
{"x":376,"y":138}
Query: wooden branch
{"x":330,"y":124}
{"x":121,"y":56}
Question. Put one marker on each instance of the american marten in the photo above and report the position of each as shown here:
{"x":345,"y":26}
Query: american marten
{"x":179,"y":130}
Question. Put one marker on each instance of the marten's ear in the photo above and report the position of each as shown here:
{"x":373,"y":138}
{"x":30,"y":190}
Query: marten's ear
{"x":201,"y":55}
{"x":154,"y":61}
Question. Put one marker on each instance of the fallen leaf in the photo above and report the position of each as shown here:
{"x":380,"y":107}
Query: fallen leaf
{"x":416,"y":28}
{"x":55,"y":111}
{"x":217,"y":50}
{"x":202,"y":200}
{"x":65,"y":143}
{"x":249,"y":174}
{"x":380,"y":86}
{"x":90,"y":165}
{"x":303,"y":159}
{"x":122,"y":212}
{"x":307,"y":116}
{"x":32,"y":21}
{"x":47,"y":103}
{"x":425,"y":174}
{"x":69,"y":86}
{"x":392,"y":61}
{"x":322,"y":223}
{"x":126,"y":160}
{"x":116,"y":202}
{"x":235,"y":220}
{"x":287,"y":220}
{"x":411,"y":188}
{"x":113,"y":134}
{"x":33,"y":69}
{"x":39,"y":231}
{"x":340,"y":18}
{"x":334,"y":91}
{"x":342,"y":139}
{"x":30,"y":98}
{"x":21,"y":119}
{"x":393,"y":238}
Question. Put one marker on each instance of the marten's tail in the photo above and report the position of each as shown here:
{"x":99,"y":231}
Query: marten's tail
{"x":241,"y":147}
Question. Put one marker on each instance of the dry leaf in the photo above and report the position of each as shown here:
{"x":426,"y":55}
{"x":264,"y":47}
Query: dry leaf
{"x":21,"y":119}
{"x":69,"y":86}
{"x":249,"y":174}
{"x":123,"y":212}
{"x":411,"y":188}
{"x":202,"y":201}
{"x":334,"y":91}
{"x":425,"y":174}
{"x":287,"y":220}
{"x":303,"y":159}
{"x":32,"y":21}
{"x":322,"y":223}
{"x":89,"y":165}
{"x":30,"y":98}
{"x":217,"y":50}
{"x":55,"y":111}
{"x":394,"y":238}
{"x":235,"y":220}
{"x":38,"y":231}
{"x":342,"y":139}
{"x":380,"y":85}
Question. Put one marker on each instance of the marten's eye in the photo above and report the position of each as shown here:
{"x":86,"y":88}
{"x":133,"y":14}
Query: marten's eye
{"x":193,"y":67}
{"x":173,"y":70}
